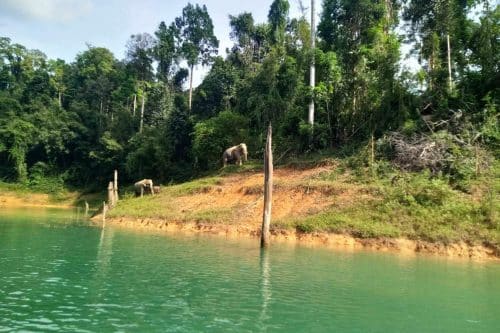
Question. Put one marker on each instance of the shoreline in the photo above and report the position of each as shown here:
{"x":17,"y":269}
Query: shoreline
{"x":35,"y":205}
{"x":400,"y":246}
{"x":39,"y":201}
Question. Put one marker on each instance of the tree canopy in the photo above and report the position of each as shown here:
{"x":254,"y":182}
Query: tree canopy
{"x":82,"y":119}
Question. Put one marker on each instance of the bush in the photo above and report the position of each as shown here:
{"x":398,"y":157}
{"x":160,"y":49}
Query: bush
{"x":213,"y":136}
{"x":419,"y":189}
{"x":41,"y":179}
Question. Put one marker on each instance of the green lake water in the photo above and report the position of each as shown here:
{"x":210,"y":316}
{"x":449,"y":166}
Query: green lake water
{"x":58,"y":274}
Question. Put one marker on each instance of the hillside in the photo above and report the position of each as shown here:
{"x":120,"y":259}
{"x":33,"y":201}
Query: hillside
{"x":325,"y":198}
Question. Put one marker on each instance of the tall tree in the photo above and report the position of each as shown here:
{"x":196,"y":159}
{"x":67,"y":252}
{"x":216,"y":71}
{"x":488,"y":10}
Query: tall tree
{"x":197,"y":39}
{"x":277,"y":18}
{"x":139,"y":55}
{"x":361,"y":33}
{"x":440,"y":27}
{"x":165,"y":50}
{"x":58,"y":69}
{"x":217,"y":91}
{"x":243,"y":34}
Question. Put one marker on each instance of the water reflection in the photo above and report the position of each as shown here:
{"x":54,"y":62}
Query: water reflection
{"x":265,"y":272}
{"x":104,"y":252}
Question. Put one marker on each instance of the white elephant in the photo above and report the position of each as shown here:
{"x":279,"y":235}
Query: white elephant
{"x":236,"y":154}
{"x":144,"y":186}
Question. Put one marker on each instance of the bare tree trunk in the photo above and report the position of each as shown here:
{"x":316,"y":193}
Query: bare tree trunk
{"x":431,"y":68}
{"x":312,"y":77}
{"x":268,"y":189}
{"x":450,"y":82}
{"x":191,"y":87}
{"x":135,"y":105}
{"x":59,"y":97}
{"x":388,"y":16}
{"x":142,"y":113}
{"x":115,"y":186}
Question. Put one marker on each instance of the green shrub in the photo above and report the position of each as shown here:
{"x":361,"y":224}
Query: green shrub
{"x":419,"y":189}
{"x":409,"y":127}
{"x":213,"y":136}
{"x":304,"y":227}
{"x":41,"y":179}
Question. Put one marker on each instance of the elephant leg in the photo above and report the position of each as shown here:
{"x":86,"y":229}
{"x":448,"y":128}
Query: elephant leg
{"x":237,"y":158}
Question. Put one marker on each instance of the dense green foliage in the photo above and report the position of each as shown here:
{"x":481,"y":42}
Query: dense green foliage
{"x":76,"y":122}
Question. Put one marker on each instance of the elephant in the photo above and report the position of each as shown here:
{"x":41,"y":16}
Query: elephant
{"x":236,"y":155}
{"x":156,"y":189}
{"x":144,"y":186}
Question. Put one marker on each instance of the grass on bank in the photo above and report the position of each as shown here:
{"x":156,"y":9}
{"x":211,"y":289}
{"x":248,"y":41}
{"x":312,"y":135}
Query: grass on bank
{"x":418,"y":210}
{"x":162,"y":206}
{"x":400,"y":204}
{"x":411,"y":205}
{"x":49,"y":193}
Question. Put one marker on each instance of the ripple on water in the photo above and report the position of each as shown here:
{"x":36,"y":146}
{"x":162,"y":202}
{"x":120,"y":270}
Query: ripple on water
{"x":53,"y":280}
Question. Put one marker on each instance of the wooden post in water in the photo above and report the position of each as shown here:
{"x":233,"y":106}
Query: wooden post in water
{"x":268,"y":189}
{"x":86,"y":209}
{"x":111,"y":196}
{"x":104,"y":211}
{"x":115,"y":187}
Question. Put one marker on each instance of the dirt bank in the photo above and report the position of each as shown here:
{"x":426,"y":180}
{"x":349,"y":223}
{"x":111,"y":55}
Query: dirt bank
{"x":317,"y":239}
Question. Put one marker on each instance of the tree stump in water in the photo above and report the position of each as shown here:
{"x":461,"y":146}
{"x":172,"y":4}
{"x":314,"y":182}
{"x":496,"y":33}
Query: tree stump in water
{"x":268,"y":189}
{"x":111,"y":195}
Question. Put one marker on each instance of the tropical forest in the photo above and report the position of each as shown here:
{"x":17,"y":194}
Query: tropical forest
{"x":249,"y":166}
{"x":392,"y":102}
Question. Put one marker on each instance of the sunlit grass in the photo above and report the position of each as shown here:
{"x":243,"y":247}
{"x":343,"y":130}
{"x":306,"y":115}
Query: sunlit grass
{"x":414,"y":207}
{"x":195,"y":186}
{"x":381,"y":204}
{"x":61,"y":196}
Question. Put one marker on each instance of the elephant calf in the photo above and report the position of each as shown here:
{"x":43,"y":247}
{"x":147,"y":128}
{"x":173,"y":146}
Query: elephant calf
{"x":144,"y":186}
{"x":236,"y":155}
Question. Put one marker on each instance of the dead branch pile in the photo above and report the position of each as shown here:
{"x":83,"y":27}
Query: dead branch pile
{"x":419,"y":152}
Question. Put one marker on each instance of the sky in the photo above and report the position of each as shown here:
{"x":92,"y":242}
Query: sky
{"x":63,"y":28}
